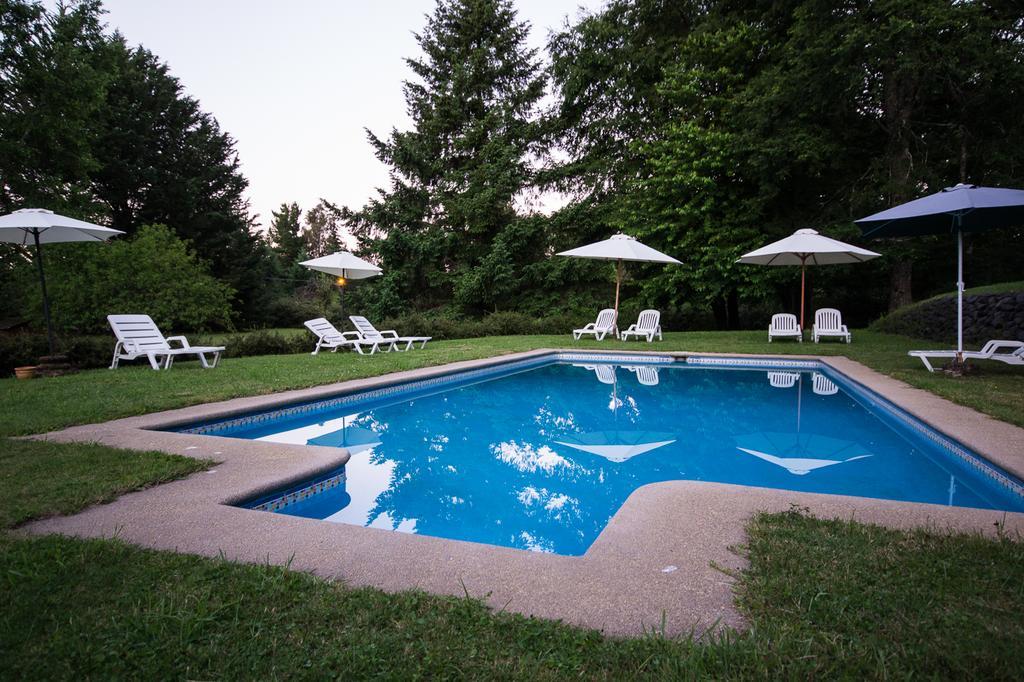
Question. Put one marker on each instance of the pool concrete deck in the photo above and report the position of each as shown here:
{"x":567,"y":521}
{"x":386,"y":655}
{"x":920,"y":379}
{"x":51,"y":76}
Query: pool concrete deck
{"x":656,"y":566}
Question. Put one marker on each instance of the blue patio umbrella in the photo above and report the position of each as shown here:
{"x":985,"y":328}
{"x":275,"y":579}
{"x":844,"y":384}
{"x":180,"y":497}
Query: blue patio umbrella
{"x":954,"y":210}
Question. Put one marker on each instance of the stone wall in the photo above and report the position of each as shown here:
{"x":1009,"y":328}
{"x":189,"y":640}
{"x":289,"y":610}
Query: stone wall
{"x":986,"y":316}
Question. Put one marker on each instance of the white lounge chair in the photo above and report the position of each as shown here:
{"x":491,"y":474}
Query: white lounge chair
{"x":370,"y":333}
{"x":783,"y":379}
{"x":990,"y":351}
{"x":829,"y":322}
{"x":648,"y":324}
{"x":785,"y":326}
{"x":604,"y":325}
{"x":138,"y":336}
{"x":327,"y":336}
{"x":822,"y":385}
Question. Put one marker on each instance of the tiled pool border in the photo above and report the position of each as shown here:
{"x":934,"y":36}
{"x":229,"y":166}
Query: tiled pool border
{"x":218,"y":426}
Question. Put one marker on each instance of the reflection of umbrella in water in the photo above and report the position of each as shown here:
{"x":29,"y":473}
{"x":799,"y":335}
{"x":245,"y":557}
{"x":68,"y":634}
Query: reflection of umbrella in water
{"x":618,"y":446}
{"x":800,"y":453}
{"x":353,"y":438}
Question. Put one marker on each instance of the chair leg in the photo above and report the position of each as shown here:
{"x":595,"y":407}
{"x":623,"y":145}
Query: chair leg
{"x":153,"y":362}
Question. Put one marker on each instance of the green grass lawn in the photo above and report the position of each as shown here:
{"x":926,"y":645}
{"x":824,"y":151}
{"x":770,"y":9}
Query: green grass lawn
{"x":824,"y":598}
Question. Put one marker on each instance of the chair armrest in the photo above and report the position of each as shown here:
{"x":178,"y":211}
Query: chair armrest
{"x":388,"y":333}
{"x":351,"y":336}
{"x":992,"y":346}
{"x":181,"y":339}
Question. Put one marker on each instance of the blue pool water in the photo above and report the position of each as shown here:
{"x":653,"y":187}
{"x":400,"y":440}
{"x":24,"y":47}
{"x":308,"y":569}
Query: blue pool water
{"x":542,"y":458}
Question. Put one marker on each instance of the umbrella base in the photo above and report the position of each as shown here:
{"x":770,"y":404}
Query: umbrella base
{"x":961,"y":368}
{"x":53,"y":366}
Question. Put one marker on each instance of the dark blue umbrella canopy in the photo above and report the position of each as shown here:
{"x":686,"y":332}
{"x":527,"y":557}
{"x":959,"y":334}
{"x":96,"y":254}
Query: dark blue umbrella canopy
{"x":954,"y":210}
{"x":967,"y":208}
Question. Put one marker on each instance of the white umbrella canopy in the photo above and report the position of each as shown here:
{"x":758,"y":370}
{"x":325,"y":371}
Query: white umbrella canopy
{"x":345,"y":266}
{"x":619,"y":248}
{"x":40,"y":226}
{"x":803,"y":247}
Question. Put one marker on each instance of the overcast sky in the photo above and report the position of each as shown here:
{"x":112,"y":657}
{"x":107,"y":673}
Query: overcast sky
{"x":296,"y":82}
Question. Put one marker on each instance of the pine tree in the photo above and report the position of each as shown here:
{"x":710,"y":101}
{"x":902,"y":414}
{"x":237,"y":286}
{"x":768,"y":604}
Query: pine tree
{"x":285,"y":232}
{"x":455,"y":176}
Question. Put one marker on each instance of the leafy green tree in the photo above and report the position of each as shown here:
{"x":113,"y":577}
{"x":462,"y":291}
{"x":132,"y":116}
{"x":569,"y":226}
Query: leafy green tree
{"x":154,"y":272}
{"x":456,"y":174}
{"x":99,"y":130}
{"x":746,"y":121}
{"x":163,"y":160}
{"x":53,"y":72}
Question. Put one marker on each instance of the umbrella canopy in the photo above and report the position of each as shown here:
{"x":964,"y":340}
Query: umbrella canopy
{"x":958,"y":209}
{"x":345,"y":266}
{"x":803,"y":247}
{"x":39,"y":226}
{"x":619,"y":248}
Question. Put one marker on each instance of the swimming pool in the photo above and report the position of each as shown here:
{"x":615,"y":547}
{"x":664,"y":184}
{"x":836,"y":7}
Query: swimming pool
{"x":540,"y":454}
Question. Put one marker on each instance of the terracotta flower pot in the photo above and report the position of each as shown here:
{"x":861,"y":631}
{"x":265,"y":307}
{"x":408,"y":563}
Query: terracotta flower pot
{"x":25,"y":372}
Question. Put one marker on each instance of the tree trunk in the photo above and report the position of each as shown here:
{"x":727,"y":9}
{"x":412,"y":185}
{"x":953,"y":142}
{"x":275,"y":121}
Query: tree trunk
{"x":733,"y":309}
{"x":718,"y":309}
{"x":899,"y":284}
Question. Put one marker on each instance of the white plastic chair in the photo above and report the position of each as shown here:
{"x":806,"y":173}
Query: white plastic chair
{"x":783,"y":379}
{"x":822,"y":385}
{"x":327,"y":336}
{"x":829,"y":322}
{"x":604,"y":325}
{"x":138,"y":336}
{"x":648,"y":324}
{"x":990,"y":351}
{"x":369,"y":333}
{"x":785,"y":326}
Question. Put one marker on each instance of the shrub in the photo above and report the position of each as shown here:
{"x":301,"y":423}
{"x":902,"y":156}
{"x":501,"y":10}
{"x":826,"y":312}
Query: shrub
{"x":154,"y":272}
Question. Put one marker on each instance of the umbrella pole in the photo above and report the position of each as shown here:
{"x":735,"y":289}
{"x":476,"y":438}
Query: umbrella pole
{"x":618,"y":283}
{"x":959,"y":296}
{"x":803,"y":280}
{"x":46,"y":302}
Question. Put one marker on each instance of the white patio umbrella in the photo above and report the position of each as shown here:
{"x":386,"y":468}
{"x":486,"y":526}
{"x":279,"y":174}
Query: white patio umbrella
{"x":344,"y":266}
{"x":619,"y":248}
{"x":803,"y":247}
{"x":39,"y":226}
